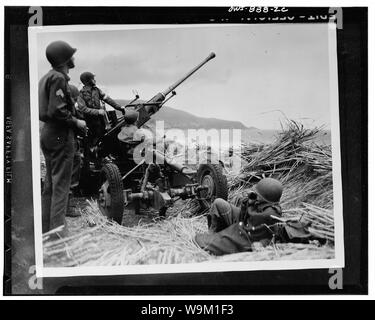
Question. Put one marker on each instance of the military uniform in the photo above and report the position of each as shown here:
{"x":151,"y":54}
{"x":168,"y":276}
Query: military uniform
{"x":56,"y":110}
{"x":77,"y":160}
{"x":89,"y":103}
{"x":234,"y":230}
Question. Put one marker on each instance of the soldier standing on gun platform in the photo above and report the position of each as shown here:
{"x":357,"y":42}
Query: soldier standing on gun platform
{"x":89,"y":103}
{"x":57,"y":111}
{"x":233,"y":229}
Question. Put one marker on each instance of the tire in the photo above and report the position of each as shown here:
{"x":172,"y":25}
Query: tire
{"x":213,"y":173}
{"x":111,"y":196}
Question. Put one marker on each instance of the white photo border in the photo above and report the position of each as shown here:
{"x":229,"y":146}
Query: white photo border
{"x":337,"y":262}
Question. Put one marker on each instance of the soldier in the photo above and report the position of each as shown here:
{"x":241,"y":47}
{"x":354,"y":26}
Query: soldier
{"x":233,"y":229}
{"x":56,"y":110}
{"x":89,"y":103}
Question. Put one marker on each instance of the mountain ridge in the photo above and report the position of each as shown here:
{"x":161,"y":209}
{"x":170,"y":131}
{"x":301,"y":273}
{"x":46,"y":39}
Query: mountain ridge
{"x":180,"y":119}
{"x":175,"y":118}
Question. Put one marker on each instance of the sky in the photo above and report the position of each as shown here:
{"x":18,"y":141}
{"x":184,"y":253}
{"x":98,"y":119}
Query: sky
{"x":261,"y":74}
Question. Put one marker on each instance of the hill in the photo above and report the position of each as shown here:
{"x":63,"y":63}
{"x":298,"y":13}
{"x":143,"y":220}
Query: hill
{"x":178,"y":119}
{"x":174,"y":118}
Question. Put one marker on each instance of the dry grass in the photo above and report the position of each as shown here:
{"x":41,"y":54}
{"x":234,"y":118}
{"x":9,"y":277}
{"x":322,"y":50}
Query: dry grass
{"x":303,"y":166}
{"x":103,"y":242}
{"x":305,"y":169}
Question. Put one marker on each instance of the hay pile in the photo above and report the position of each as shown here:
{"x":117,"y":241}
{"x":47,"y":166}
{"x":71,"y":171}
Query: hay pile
{"x":297,"y":160}
{"x":304,"y":167}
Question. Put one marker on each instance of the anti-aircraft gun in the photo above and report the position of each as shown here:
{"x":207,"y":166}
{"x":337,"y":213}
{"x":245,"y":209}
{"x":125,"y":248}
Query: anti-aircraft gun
{"x":128,"y":185}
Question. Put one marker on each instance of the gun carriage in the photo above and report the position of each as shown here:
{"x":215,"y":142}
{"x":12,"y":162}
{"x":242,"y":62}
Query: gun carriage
{"x":123,"y":184}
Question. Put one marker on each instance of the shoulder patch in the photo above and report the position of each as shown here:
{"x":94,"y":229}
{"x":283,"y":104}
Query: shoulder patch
{"x":60,"y":93}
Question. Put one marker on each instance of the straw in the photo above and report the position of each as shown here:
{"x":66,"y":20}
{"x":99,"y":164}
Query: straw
{"x":295,"y":158}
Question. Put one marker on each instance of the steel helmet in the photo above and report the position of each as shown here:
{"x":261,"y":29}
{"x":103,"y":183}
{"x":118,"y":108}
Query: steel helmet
{"x":74,"y":92}
{"x":269,"y":189}
{"x":59,"y":52}
{"x":131,"y":116}
{"x":87,"y":77}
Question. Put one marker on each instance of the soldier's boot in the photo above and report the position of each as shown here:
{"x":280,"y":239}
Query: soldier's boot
{"x":72,"y":210}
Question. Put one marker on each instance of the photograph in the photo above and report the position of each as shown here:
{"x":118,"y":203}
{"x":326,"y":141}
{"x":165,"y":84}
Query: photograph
{"x":185,"y":148}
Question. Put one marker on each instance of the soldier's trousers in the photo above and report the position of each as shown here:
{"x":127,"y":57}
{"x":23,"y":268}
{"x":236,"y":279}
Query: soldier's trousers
{"x":96,"y":131}
{"x":76,"y":172}
{"x":222,"y":214}
{"x":226,"y":236}
{"x":58,"y":148}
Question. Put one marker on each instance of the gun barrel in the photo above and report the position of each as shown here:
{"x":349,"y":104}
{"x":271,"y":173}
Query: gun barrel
{"x":154,"y":104}
{"x":178,"y":82}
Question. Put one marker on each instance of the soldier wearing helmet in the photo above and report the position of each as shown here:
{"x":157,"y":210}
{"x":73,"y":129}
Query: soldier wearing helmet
{"x":89,"y":103}
{"x":56,"y":110}
{"x":234,"y":229}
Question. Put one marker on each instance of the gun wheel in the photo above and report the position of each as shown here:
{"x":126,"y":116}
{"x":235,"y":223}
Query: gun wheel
{"x":111,"y":197}
{"x":211,"y":176}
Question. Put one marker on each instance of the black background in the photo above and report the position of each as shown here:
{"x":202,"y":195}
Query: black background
{"x":352,"y":66}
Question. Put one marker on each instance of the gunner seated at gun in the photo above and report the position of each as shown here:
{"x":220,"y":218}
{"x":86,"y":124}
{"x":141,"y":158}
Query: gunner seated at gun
{"x":234,"y":229}
{"x":89,"y":103}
